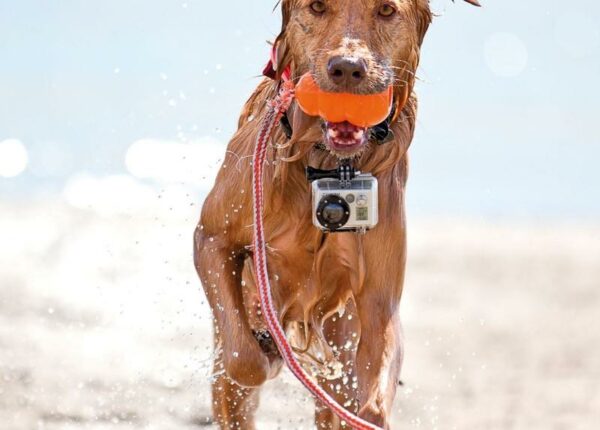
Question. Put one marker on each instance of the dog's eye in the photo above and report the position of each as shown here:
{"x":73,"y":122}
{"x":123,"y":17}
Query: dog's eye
{"x":387,"y":10}
{"x":318,"y":7}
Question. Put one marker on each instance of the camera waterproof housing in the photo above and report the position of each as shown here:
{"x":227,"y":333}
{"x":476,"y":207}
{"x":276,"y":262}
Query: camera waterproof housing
{"x":344,"y":200}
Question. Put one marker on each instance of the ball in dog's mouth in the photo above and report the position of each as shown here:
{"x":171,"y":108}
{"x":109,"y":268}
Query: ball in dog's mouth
{"x":345,"y":138}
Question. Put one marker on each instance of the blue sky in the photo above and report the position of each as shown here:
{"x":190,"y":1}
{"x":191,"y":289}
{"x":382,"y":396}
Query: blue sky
{"x":509,"y":95}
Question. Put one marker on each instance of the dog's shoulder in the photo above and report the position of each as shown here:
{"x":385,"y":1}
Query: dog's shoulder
{"x":256,"y":103}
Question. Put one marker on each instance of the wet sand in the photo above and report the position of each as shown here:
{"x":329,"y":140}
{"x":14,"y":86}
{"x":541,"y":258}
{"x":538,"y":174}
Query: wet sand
{"x":103,"y":325}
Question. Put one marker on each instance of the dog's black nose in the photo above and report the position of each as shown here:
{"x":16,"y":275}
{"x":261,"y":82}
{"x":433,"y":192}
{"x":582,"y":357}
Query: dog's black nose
{"x":347,"y":72}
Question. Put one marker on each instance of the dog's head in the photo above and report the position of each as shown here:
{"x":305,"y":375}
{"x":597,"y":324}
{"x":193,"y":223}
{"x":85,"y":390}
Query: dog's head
{"x":354,"y":46}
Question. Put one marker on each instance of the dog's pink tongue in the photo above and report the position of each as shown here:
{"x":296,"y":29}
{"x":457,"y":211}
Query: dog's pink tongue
{"x":344,"y":133}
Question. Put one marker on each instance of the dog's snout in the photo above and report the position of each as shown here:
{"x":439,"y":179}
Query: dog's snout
{"x":347,"y":72}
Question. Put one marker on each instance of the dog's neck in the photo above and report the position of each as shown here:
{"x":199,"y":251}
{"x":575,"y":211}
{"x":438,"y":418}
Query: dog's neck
{"x":306,"y":145}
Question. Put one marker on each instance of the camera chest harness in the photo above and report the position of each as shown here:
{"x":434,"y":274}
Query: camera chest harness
{"x":276,"y":113}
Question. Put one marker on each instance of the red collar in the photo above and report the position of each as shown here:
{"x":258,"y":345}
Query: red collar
{"x":270,"y":70}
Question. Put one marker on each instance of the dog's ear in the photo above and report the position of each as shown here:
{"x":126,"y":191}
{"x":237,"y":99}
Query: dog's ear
{"x":283,"y":54}
{"x":424,"y":17}
{"x":286,"y":12}
{"x":473,"y":2}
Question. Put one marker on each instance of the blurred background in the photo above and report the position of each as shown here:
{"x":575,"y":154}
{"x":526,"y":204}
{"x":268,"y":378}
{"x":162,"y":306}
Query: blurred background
{"x":114,"y":117}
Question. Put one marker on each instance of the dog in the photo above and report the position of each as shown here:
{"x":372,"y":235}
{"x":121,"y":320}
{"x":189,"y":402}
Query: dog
{"x":337,"y":295}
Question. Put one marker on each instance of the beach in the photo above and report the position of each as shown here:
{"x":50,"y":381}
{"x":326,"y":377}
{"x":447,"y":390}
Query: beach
{"x":104,"y":325}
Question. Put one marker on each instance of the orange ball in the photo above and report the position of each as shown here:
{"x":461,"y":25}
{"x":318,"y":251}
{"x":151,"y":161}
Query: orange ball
{"x":358,"y":109}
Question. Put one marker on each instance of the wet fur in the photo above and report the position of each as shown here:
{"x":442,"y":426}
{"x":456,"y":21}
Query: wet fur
{"x":315,"y":277}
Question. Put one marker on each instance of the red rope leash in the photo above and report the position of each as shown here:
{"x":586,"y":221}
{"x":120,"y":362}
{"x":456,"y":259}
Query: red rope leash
{"x":275,"y":110}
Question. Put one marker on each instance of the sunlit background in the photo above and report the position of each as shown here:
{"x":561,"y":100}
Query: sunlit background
{"x":114,"y":117}
{"x":509,"y":100}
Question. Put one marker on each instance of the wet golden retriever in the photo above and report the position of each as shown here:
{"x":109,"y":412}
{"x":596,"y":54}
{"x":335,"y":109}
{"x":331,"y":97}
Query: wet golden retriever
{"x":338,"y":295}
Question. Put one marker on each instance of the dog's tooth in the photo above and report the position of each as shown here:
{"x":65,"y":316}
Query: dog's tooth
{"x":333,"y":133}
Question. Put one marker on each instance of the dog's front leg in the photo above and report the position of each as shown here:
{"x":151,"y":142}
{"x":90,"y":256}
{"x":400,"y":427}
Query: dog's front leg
{"x":220,"y":269}
{"x":234,"y":407}
{"x":379,"y":356}
{"x":340,"y":333}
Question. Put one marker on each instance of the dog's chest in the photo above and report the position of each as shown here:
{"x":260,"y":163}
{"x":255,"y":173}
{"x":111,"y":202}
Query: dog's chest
{"x":311,"y":273}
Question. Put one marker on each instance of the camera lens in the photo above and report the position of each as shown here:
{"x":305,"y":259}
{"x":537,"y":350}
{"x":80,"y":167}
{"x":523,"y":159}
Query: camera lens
{"x":333,"y":212}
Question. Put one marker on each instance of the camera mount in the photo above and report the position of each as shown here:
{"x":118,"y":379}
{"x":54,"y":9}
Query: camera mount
{"x":345,"y":173}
